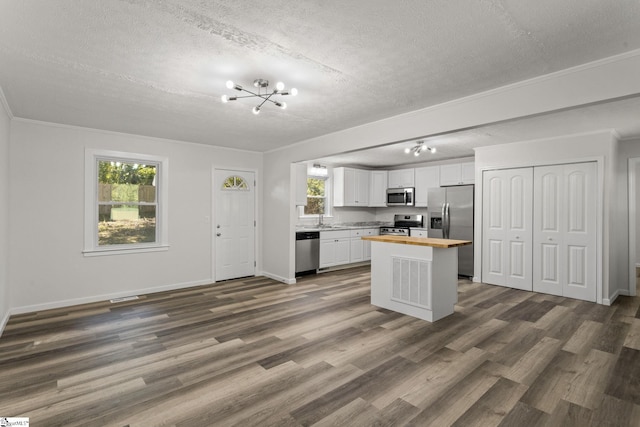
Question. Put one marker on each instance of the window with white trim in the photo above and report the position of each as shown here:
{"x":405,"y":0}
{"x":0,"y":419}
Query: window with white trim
{"x":125,"y":202}
{"x":318,"y":196}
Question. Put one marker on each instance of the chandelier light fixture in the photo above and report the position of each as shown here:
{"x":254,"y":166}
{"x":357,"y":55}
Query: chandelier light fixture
{"x":263,"y":92}
{"x":419,"y":148}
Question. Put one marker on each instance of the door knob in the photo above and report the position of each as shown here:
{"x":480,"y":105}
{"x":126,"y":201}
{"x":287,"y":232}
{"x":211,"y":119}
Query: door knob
{"x":517,"y":237}
{"x":218,"y":234}
{"x":218,"y":226}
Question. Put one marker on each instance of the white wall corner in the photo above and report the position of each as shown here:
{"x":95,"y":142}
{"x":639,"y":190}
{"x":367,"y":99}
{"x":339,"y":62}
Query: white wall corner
{"x":5,"y":104}
{"x":612,"y":298}
{"x":279,"y":278}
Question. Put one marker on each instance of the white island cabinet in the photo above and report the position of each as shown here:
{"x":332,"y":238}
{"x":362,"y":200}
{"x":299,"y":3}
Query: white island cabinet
{"x":416,"y":276}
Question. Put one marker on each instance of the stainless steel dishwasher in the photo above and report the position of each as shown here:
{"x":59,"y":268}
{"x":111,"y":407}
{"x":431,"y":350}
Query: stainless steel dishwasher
{"x":307,"y":252}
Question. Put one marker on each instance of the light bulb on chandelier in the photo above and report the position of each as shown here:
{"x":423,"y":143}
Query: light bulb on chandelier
{"x":263,"y":93}
{"x":419,"y":148}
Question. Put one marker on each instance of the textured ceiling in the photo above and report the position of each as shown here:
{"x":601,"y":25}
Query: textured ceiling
{"x":158,"y":67}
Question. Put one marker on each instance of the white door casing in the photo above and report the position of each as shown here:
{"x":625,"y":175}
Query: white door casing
{"x":234,"y":224}
{"x":565,"y":236}
{"x":507,"y":228}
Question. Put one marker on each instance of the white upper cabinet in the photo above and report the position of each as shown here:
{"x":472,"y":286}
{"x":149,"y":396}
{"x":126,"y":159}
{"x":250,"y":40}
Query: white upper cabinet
{"x":425,"y":178}
{"x":457,"y":174}
{"x":401,"y":178}
{"x":350,"y":187}
{"x":301,"y":184}
{"x":378,"y":189}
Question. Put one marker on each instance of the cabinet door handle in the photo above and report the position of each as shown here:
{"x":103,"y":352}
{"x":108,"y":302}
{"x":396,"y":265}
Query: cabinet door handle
{"x":218,"y":234}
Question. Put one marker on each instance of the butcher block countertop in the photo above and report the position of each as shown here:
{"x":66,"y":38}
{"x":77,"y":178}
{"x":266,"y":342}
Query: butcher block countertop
{"x":419,"y":241}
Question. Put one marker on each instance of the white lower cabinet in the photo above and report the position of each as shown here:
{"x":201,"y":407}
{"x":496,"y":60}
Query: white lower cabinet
{"x":357,"y":249}
{"x":367,"y":243}
{"x":418,"y":232}
{"x":345,"y":246}
{"x":334,"y":248}
{"x":361,"y":249}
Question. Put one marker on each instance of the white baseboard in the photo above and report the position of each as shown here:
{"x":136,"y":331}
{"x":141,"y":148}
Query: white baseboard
{"x":612,"y":298}
{"x":4,"y":321}
{"x":278,"y":278}
{"x":105,"y":297}
{"x":476,"y":279}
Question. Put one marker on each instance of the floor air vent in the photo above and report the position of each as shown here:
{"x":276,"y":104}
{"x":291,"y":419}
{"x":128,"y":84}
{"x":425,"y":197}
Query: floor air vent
{"x":123,"y":299}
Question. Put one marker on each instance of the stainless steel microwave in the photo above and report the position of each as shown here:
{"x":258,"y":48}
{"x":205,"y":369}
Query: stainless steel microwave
{"x":400,"y":196}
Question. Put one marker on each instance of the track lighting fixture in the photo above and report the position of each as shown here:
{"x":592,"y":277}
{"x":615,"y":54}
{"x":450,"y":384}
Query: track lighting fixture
{"x":263,"y":93}
{"x":419,"y":148}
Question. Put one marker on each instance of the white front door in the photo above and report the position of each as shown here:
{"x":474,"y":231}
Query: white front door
{"x":234,"y":224}
{"x":507,"y":234}
{"x":565,"y":230}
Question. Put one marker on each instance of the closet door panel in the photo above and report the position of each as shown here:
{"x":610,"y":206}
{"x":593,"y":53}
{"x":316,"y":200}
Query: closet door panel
{"x":564,"y":257}
{"x":580,"y":235}
{"x":493,"y":228}
{"x":547,"y":235}
{"x":507,"y":227}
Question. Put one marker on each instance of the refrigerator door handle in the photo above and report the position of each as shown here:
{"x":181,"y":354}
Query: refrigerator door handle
{"x":448,"y":221}
{"x":444,"y":220}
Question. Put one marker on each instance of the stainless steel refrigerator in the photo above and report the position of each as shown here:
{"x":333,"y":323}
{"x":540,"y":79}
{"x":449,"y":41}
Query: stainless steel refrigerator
{"x":451,"y":217}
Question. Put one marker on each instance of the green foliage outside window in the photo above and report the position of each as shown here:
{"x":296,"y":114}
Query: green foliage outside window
{"x":126,"y":203}
{"x":315,"y":196}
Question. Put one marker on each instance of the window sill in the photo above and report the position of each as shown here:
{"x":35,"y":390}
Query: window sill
{"x":123,"y":251}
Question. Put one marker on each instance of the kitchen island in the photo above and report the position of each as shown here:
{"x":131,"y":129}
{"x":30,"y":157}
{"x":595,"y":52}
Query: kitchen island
{"x":416,"y":276}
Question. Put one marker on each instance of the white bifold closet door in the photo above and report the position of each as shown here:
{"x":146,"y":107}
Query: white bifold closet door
{"x":507,"y":218}
{"x":564,"y":230}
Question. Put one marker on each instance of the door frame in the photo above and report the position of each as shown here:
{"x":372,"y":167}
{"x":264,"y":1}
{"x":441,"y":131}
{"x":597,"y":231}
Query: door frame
{"x":256,"y":211}
{"x":634,"y":165}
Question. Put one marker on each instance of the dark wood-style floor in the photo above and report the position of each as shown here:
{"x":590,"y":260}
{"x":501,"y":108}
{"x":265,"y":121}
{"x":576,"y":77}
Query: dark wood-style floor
{"x":258,"y":352}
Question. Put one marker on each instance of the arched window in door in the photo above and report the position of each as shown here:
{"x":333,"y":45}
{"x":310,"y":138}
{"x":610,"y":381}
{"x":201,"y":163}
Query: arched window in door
{"x":236,"y":183}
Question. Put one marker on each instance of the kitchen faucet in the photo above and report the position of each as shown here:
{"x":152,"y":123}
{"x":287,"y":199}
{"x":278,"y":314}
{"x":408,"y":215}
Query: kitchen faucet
{"x":320,"y":219}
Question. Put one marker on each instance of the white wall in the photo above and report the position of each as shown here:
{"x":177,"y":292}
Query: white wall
{"x":630,"y":149}
{"x":5,"y":126}
{"x":590,"y":83}
{"x":47,"y":217}
{"x":600,"y":146}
